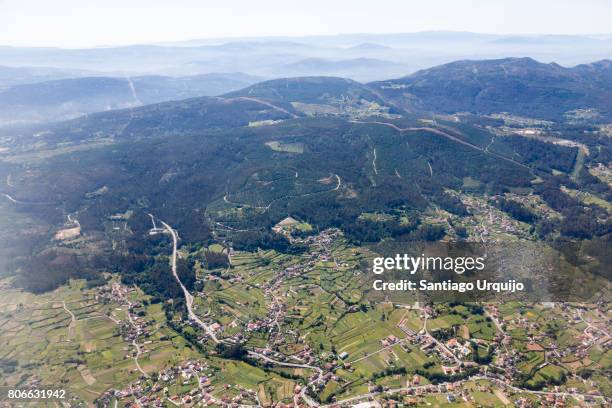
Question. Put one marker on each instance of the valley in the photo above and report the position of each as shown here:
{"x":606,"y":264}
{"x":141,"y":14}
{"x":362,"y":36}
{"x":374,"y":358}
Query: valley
{"x":216,"y":250}
{"x":295,"y":329}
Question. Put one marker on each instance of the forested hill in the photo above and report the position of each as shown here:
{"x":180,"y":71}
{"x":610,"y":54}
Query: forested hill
{"x":309,"y":90}
{"x":328,"y":151}
{"x":521,"y":86}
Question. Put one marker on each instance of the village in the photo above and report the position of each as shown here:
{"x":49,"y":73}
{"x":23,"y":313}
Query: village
{"x":458,"y":366}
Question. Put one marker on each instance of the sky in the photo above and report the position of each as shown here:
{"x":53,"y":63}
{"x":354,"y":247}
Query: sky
{"x":87,"y":23}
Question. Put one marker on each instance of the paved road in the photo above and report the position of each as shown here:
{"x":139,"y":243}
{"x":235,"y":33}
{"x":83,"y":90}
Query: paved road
{"x":589,"y":325}
{"x":303,"y":394}
{"x":188,"y":296}
{"x":135,"y":344}
{"x":211,"y":333}
{"x":15,"y":201}
{"x":374,"y":163}
{"x":133,"y":91}
{"x":438,"y":343}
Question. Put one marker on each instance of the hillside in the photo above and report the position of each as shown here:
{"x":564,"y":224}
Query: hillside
{"x":69,"y":98}
{"x":222,"y":234}
{"x":521,"y":86}
{"x":321,"y":149}
{"x":306,"y":89}
{"x":318,"y":95}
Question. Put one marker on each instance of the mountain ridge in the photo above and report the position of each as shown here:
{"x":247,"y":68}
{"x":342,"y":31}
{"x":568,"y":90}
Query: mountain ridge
{"x":521,"y":86}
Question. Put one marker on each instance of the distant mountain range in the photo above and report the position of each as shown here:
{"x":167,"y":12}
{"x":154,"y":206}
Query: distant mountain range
{"x":10,"y":76}
{"x":350,"y":68}
{"x":521,"y":86}
{"x":362,"y":57}
{"x":69,"y":98}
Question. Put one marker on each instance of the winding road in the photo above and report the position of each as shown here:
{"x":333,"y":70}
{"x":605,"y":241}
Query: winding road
{"x":303,"y":393}
{"x":72,"y":320}
{"x":211,"y":333}
{"x":136,"y":345}
{"x":311,"y":402}
{"x":188,"y":296}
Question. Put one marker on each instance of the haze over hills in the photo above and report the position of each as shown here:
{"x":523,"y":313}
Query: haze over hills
{"x":349,"y":68}
{"x":521,"y":86}
{"x":363,"y":57}
{"x":69,"y":98}
{"x":10,"y":76}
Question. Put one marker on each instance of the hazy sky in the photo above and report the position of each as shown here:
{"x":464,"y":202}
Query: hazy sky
{"x":81,"y":23}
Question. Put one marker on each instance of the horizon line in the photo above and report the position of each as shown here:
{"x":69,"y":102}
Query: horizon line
{"x":231,"y":39}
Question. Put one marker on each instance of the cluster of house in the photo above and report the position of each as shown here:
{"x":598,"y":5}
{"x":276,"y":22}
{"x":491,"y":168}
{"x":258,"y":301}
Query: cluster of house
{"x":458,"y":348}
{"x":541,"y":342}
{"x":414,"y":392}
{"x":194,"y":375}
{"x":134,"y":327}
{"x":389,"y":340}
{"x":323,"y":239}
{"x":115,"y":293}
{"x":450,"y":351}
{"x":306,"y":355}
{"x":429,"y":345}
{"x":496,"y":220}
{"x":277,"y":309}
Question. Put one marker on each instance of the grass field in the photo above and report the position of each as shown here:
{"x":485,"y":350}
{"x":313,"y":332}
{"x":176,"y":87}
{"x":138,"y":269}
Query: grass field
{"x":88,"y":354}
{"x":278,"y":146}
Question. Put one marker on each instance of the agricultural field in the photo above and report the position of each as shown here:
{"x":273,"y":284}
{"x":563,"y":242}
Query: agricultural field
{"x":282,"y":320}
{"x":66,"y":335}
